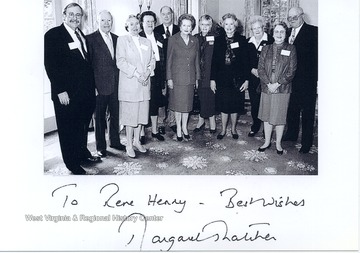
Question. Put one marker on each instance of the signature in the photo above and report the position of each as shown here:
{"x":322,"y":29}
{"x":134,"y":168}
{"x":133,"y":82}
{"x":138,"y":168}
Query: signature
{"x":167,"y":242}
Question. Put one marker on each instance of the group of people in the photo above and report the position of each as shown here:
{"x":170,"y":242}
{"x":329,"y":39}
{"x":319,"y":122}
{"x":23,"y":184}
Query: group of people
{"x":127,"y":80}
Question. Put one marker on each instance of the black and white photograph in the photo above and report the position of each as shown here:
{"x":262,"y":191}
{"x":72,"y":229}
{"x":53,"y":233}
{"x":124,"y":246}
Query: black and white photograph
{"x":180,"y":125}
{"x":206,"y":100}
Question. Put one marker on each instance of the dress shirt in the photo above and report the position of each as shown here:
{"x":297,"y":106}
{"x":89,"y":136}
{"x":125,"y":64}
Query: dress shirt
{"x":136,"y":40}
{"x":75,"y":39}
{"x":170,"y":28}
{"x":154,"y":45}
{"x":253,"y":40}
{"x":297,"y":30}
{"x":106,"y":38}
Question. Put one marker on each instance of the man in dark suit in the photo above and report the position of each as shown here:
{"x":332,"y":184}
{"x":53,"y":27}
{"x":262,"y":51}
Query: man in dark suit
{"x":304,"y":89}
{"x":167,"y":29}
{"x":102,"y":51}
{"x":72,"y":87}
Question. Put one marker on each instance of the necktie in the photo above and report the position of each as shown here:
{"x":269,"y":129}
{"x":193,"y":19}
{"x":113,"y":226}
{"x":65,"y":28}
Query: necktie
{"x":109,"y":45}
{"x":82,"y":45}
{"x":292,"y":36}
{"x":167,"y":32}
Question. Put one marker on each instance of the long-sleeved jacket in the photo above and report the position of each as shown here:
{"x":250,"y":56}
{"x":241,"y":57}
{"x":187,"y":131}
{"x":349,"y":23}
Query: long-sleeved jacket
{"x":284,"y":70}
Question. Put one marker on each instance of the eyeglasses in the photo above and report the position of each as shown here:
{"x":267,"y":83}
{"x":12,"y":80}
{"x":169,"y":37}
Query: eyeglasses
{"x":294,"y":18}
{"x":77,"y":15}
{"x":281,"y":32}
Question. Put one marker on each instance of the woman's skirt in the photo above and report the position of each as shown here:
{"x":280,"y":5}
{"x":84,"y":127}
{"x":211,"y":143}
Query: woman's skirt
{"x":134,"y":113}
{"x":273,"y":108}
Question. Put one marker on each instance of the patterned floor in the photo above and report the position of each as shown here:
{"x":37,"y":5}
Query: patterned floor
{"x":203,"y":154}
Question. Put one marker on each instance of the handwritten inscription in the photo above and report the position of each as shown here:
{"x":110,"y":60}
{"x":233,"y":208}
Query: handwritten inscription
{"x":264,"y":202}
{"x":253,"y":233}
{"x":215,"y":231}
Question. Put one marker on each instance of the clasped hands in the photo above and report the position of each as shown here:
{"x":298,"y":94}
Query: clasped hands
{"x":142,"y":77}
{"x":273,"y":87}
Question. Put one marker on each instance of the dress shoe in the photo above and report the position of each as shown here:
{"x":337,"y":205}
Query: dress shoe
{"x":263,"y":149}
{"x":187,"y":136}
{"x":139,"y":147}
{"x":251,"y":134}
{"x":78,"y":170}
{"x":130,"y":152}
{"x":212,"y":131}
{"x":235,"y":136}
{"x":304,"y":150}
{"x":174,"y":127}
{"x":158,"y":136}
{"x":142,"y":140}
{"x":279,"y":152}
{"x":118,"y":147}
{"x":161,"y":130}
{"x":92,"y":159}
{"x":220,"y":136}
{"x":198,"y":129}
{"x":102,"y":153}
{"x":179,"y":138}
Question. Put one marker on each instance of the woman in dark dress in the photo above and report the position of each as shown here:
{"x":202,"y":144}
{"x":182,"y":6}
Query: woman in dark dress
{"x":157,"y":79}
{"x":256,"y":44}
{"x":206,"y":95}
{"x":230,"y":73}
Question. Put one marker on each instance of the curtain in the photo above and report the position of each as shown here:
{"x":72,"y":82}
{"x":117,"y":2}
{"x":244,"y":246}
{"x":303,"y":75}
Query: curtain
{"x":271,"y":10}
{"x":179,"y":7}
{"x":89,"y":20}
{"x":49,"y":15}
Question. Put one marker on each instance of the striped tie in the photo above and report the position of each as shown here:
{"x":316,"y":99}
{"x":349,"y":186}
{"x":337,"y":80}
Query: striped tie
{"x":292,"y":36}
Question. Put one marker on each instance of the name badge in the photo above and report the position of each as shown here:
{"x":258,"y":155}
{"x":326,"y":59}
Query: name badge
{"x":210,"y":38}
{"x":144,"y":47}
{"x":285,"y":52}
{"x":234,"y":45}
{"x":74,"y":45}
{"x":260,"y":48}
{"x":159,"y":44}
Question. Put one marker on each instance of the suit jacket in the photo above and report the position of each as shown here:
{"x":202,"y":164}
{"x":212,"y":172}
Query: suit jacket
{"x":306,"y":43}
{"x":128,"y":60}
{"x":240,"y":68}
{"x":66,"y":68}
{"x":160,"y":70}
{"x":284,"y":70}
{"x":206,"y":52}
{"x":254,"y":55}
{"x":106,"y":73}
{"x":183,"y":61}
{"x":160,"y":30}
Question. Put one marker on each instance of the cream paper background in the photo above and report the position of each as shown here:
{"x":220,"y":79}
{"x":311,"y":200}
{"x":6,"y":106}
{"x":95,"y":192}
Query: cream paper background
{"x":329,"y":220}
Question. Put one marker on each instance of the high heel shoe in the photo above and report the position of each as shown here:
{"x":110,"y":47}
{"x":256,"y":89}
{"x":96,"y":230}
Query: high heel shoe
{"x":220,"y":136}
{"x":279,"y":152}
{"x":212,"y":131}
{"x":179,"y":138}
{"x":263,"y":149}
{"x":198,"y":129}
{"x":187,"y":136}
{"x":235,"y":136}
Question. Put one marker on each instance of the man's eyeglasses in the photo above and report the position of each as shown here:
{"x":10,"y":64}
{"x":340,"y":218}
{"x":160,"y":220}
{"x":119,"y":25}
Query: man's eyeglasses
{"x":294,"y":18}
{"x":77,"y":15}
